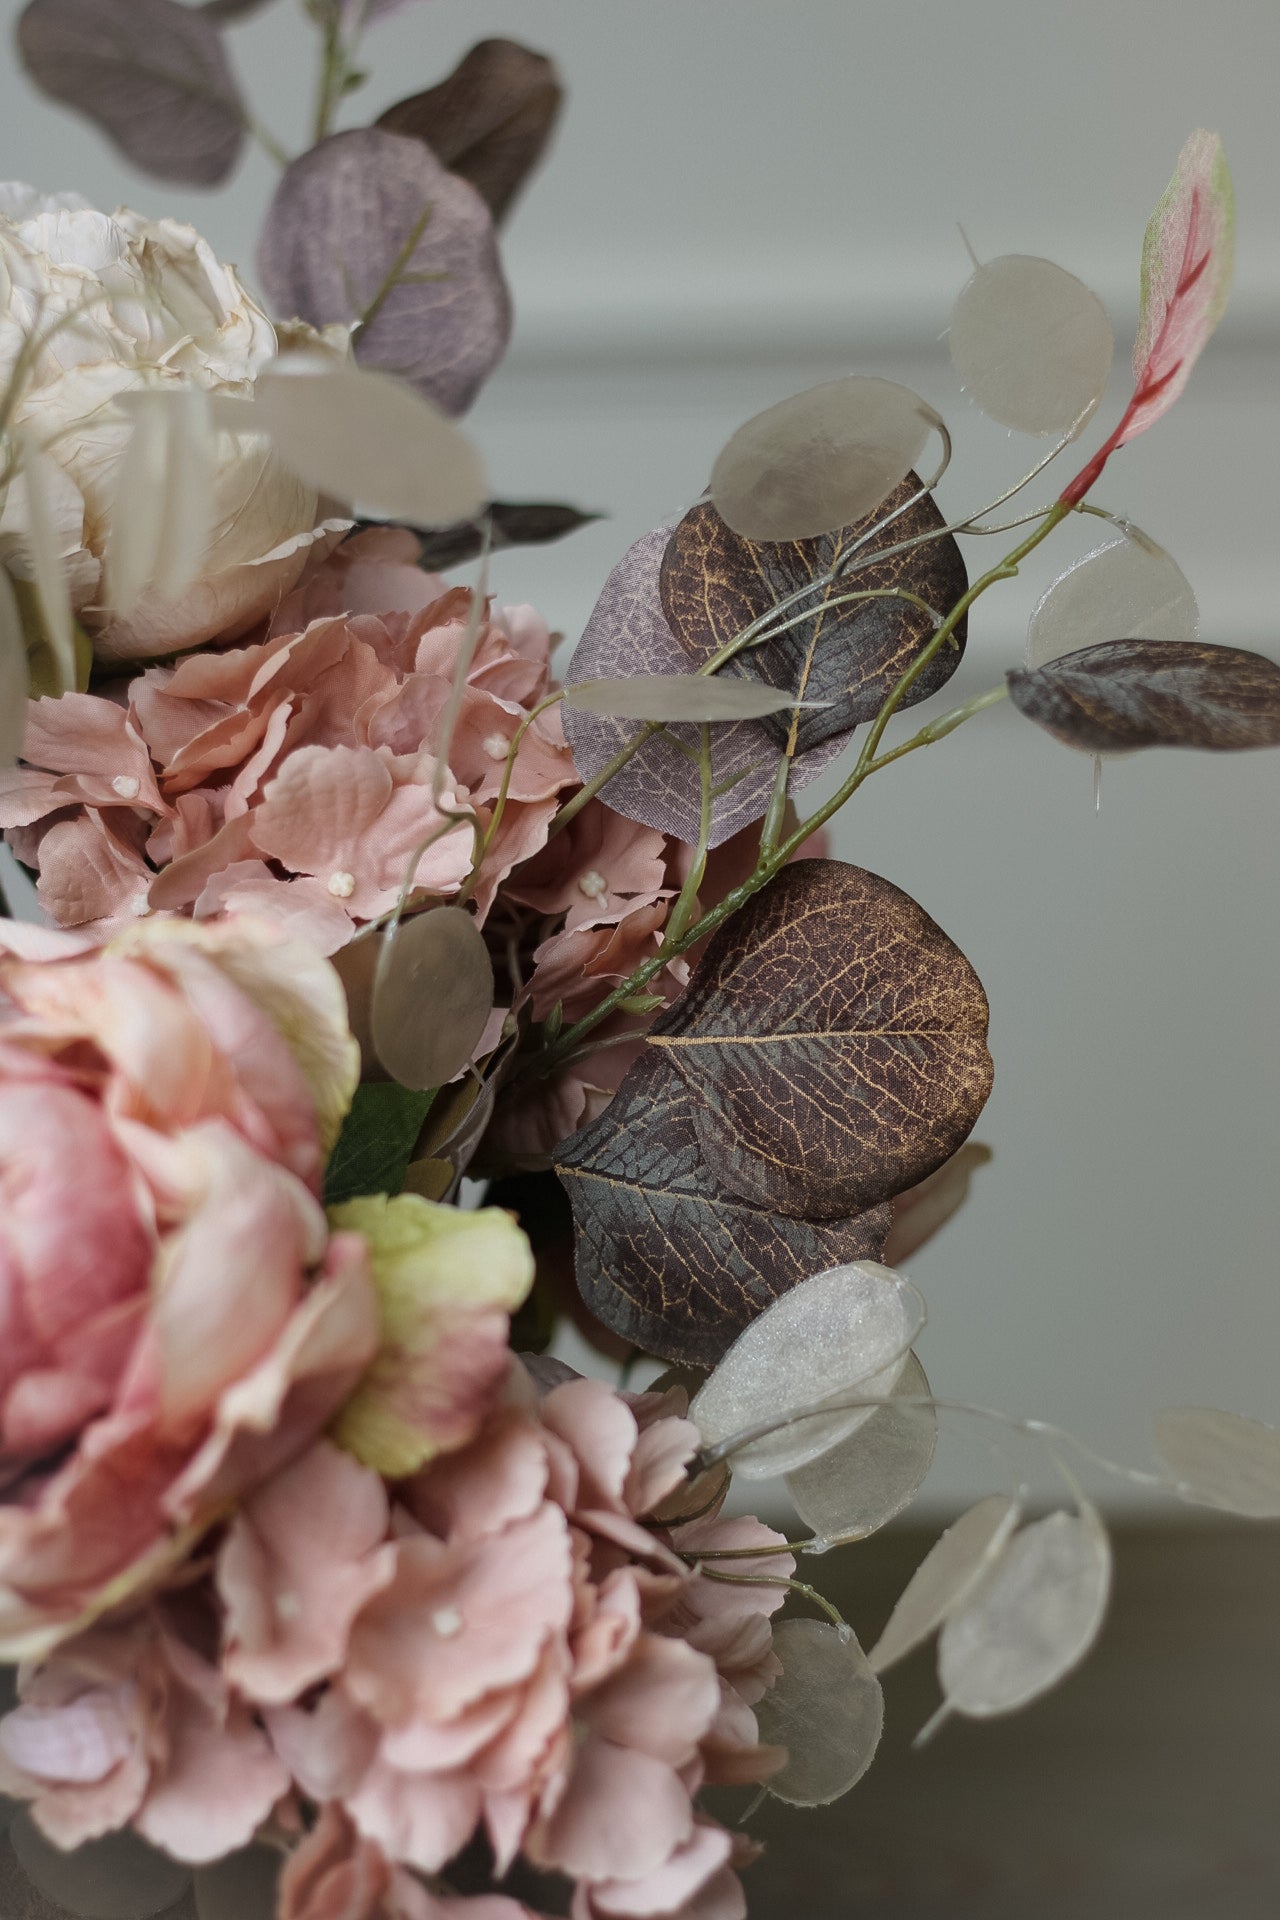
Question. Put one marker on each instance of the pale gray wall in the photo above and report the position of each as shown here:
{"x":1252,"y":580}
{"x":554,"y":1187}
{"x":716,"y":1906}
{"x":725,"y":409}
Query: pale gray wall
{"x":750,"y":196}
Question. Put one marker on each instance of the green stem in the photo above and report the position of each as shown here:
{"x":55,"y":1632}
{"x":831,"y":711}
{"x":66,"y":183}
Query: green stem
{"x":682,"y":912}
{"x":500,"y":800}
{"x":811,"y":1594}
{"x":867,"y":763}
{"x":777,"y":810}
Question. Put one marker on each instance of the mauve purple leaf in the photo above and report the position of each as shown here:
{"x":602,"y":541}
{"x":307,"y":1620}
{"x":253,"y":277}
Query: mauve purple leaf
{"x":221,"y":10}
{"x":368,"y":229}
{"x":628,"y":634}
{"x":152,"y":74}
{"x":490,"y":120}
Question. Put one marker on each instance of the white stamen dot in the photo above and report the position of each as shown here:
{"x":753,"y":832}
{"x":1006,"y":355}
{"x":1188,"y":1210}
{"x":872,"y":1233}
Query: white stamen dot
{"x":127,"y":786}
{"x":342,"y":884}
{"x":140,"y":906}
{"x":496,"y":746}
{"x":593,"y":884}
{"x":447,"y":1622}
{"x":288,"y":1606}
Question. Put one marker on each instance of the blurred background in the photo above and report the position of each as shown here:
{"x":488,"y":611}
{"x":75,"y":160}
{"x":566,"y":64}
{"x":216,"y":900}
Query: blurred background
{"x":751,"y":196}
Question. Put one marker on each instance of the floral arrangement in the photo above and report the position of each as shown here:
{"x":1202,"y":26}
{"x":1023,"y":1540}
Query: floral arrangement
{"x":322,"y":1577}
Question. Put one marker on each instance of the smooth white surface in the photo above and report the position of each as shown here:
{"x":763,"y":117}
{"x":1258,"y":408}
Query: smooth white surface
{"x":747,"y":197}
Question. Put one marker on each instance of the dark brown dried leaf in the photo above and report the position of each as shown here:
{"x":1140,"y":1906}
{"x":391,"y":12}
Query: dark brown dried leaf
{"x":660,"y":786}
{"x":152,"y":74}
{"x":715,"y":583}
{"x":490,"y":121}
{"x":368,"y":229}
{"x":512,"y":523}
{"x":666,"y":1257}
{"x":834,"y":1041}
{"x":1124,"y":694}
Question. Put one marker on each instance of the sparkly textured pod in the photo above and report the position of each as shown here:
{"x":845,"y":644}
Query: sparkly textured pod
{"x":826,"y":1709}
{"x":859,"y":1485}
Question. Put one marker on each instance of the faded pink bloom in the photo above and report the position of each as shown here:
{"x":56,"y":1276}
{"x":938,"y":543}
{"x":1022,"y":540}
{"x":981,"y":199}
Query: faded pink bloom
{"x":297,"y":775}
{"x":178,"y":1320}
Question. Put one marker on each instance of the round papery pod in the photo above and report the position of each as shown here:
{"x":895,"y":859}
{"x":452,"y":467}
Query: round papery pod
{"x":1031,"y":344}
{"x":845,"y":1334}
{"x":945,"y":1577}
{"x":826,"y":1708}
{"x":861,"y":1484}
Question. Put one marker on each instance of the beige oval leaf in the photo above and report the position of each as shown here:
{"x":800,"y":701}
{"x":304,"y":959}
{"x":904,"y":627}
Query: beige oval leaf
{"x":1222,"y":1460}
{"x":680,"y":696}
{"x":858,"y":1486}
{"x":842,"y":1334}
{"x":367,"y":439}
{"x":1031,"y":344}
{"x":432,"y":995}
{"x":826,"y":1708}
{"x":1127,"y":590}
{"x":820,"y":460}
{"x":1031,"y":1619}
{"x":944,"y":1578}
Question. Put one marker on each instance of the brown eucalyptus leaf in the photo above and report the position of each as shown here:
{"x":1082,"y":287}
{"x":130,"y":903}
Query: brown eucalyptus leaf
{"x":714,"y":583}
{"x":666,"y":1257}
{"x":490,"y":121}
{"x":1124,"y":694}
{"x":152,"y":74}
{"x":369,"y":230}
{"x":432,"y":996}
{"x":834,"y":1041}
{"x":659,"y":786}
{"x":510,"y":523}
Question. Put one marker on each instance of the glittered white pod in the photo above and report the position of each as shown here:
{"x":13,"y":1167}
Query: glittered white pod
{"x":843,"y":1334}
{"x":1222,"y":1460}
{"x":826,"y":1708}
{"x":1031,"y":345}
{"x":945,"y":1577}
{"x":116,"y":1878}
{"x":432,"y":996}
{"x":1129,"y":589}
{"x":1030,"y":1620}
{"x":858,"y":1486}
{"x":820,"y":460}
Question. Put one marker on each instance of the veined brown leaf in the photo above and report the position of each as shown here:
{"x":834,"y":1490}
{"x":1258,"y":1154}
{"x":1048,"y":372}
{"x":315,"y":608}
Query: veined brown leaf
{"x":1124,"y":694}
{"x":666,"y":1256}
{"x":834,"y":1042}
{"x":848,"y":656}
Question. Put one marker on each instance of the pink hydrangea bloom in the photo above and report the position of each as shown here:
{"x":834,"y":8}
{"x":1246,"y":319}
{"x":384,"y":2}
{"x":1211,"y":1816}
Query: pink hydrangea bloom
{"x":510,"y":1651}
{"x":296,"y":775}
{"x":178,"y":1320}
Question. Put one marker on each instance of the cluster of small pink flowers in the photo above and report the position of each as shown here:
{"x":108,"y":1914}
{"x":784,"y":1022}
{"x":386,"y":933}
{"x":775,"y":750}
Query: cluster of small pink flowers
{"x":516,"y":1650}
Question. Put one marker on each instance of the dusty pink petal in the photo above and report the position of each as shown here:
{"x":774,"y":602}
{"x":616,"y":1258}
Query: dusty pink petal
{"x":442,"y":1380}
{"x":253,"y":772}
{"x":374,"y":571}
{"x":332,"y":1874}
{"x":221,"y":1777}
{"x":303,"y":906}
{"x":229,"y":1280}
{"x":409,"y":720}
{"x":596,"y":871}
{"x":731,"y":1750}
{"x":627,"y":1535}
{"x":89,"y":875}
{"x":662,"y":1453}
{"x":233,"y":738}
{"x":421,"y":1820}
{"x":336,"y":812}
{"x":184,"y":879}
{"x":27,"y":795}
{"x":601,"y":1430}
{"x":523,"y":832}
{"x":299,"y":1561}
{"x":327,"y":1748}
{"x":731,"y":1623}
{"x":622,"y":1816}
{"x":661,"y":1702}
{"x":571,"y":966}
{"x":500,"y":1477}
{"x":459,"y":1621}
{"x":269,"y":1416}
{"x":424,"y":1746}
{"x":83,"y":733}
{"x":666,"y":1892}
{"x":604,"y":1642}
{"x":543,"y":1720}
{"x":77,"y":1744}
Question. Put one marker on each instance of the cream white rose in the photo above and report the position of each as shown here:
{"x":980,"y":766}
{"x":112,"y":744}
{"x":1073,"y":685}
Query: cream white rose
{"x":128,"y":304}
